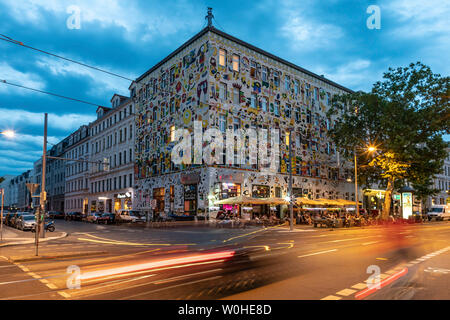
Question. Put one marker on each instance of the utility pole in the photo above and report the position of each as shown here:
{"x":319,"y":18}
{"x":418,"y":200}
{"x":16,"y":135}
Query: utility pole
{"x":1,"y":217}
{"x":291,"y":208}
{"x":356,"y":185}
{"x":43,"y":197}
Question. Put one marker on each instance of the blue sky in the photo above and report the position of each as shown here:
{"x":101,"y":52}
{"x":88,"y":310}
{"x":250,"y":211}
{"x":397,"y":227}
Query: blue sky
{"x":129,"y":37}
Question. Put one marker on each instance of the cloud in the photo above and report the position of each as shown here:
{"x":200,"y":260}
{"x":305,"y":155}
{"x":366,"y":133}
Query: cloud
{"x":66,"y":122}
{"x":419,"y":18}
{"x":154,"y":19}
{"x":303,"y":31}
{"x":353,"y":74}
{"x":102,"y":82}
{"x":12,"y":75}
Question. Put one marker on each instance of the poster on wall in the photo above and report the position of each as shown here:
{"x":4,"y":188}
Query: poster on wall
{"x":406,"y":204}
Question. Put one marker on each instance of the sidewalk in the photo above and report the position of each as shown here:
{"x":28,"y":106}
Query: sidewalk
{"x":16,"y":237}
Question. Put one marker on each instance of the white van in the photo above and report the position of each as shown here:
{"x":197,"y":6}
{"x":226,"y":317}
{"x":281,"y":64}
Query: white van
{"x":440,"y":212}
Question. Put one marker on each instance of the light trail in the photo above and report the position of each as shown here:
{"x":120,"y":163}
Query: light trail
{"x":158,"y":264}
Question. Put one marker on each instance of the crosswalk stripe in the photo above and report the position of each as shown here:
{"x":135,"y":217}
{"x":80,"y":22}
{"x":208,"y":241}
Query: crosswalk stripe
{"x":331,"y":297}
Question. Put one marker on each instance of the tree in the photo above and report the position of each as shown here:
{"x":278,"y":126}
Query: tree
{"x":404,"y":116}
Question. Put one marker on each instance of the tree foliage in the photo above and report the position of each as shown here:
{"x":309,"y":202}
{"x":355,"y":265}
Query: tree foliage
{"x":404,"y":116}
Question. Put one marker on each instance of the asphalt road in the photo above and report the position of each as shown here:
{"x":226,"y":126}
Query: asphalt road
{"x":125,"y":262}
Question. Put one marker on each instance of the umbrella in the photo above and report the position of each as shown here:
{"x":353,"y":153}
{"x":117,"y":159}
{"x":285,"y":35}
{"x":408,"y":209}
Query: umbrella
{"x":241,"y":200}
{"x":275,"y":201}
{"x":331,"y":202}
{"x":303,"y":201}
{"x":347,"y":202}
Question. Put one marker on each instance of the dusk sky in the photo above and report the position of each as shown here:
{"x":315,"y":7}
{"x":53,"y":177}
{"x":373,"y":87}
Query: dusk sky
{"x":129,"y":37}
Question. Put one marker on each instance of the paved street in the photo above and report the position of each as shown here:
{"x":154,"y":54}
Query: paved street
{"x":129,"y":262}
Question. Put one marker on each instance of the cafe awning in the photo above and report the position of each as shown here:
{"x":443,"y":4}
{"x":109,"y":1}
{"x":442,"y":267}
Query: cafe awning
{"x":347,"y":202}
{"x":275,"y":201}
{"x":330,"y":202}
{"x":241,"y":200}
{"x":306,"y":201}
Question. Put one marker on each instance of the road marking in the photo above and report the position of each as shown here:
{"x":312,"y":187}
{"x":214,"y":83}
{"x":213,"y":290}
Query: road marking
{"x":51,"y":286}
{"x":331,"y":298}
{"x":364,"y":293}
{"x":34,"y":275}
{"x":371,"y":242}
{"x":315,"y":253}
{"x":44,"y":281}
{"x":350,"y":239}
{"x":346,"y":292}
{"x":360,"y":286}
{"x":170,"y":287}
{"x":382,"y":259}
{"x":64,"y":294}
{"x":383,"y":276}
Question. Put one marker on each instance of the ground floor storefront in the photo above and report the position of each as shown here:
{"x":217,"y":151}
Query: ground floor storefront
{"x":111,"y":202}
{"x":195,"y":192}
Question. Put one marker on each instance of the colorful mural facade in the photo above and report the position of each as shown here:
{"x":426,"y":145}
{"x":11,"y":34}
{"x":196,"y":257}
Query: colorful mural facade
{"x":224,"y":84}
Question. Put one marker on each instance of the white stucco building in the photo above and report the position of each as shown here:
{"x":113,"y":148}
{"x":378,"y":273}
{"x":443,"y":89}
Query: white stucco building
{"x":112,"y":144}
{"x":77,"y":172}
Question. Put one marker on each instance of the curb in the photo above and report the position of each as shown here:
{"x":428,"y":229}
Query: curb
{"x":59,"y":256}
{"x":65,"y":234}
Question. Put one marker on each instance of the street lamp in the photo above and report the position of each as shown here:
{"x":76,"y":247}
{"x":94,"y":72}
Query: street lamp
{"x":8,"y":133}
{"x":370,"y":149}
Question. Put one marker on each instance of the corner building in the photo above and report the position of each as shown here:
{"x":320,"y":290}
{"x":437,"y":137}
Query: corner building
{"x":228,"y":84}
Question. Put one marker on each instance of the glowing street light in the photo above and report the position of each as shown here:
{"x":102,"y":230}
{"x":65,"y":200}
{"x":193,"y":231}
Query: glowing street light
{"x":8,"y":133}
{"x":371,"y":148}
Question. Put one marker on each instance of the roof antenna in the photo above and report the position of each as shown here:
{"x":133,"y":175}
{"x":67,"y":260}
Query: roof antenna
{"x":209,"y":17}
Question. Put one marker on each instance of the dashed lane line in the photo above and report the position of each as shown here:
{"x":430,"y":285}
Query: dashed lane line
{"x":386,"y":278}
{"x":316,"y":253}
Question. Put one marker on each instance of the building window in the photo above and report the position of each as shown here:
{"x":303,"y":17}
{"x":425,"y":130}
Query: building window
{"x":264,"y":74}
{"x":235,"y":63}
{"x":276,"y":79}
{"x":264,"y":104}
{"x":172,"y":133}
{"x":236,"y":123}
{"x":223,"y":91}
{"x":288,"y":111}
{"x":287,"y":83}
{"x":276,"y":110}
{"x":223,"y":123}
{"x":172,"y":75}
{"x":222,"y":58}
{"x":236,"y":99}
{"x":254,"y":98}
{"x":296,"y":86}
{"x":253,"y":69}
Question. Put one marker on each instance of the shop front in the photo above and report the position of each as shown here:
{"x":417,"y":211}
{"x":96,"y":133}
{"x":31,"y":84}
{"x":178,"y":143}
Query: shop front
{"x":230,"y":186}
{"x":190,"y":192}
{"x":122,"y":201}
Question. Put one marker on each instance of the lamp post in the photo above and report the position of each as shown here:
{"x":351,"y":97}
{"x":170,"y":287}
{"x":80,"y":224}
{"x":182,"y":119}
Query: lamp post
{"x":1,"y":217}
{"x":370,"y":149}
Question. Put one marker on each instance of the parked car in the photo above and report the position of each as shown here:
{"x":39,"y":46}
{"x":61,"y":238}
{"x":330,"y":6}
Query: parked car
{"x":26,"y":222}
{"x":56,"y":215}
{"x":439,"y":212}
{"x":93,"y":216}
{"x":13,"y":220}
{"x":125,"y":216}
{"x":74,"y":216}
{"x":106,"y":218}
